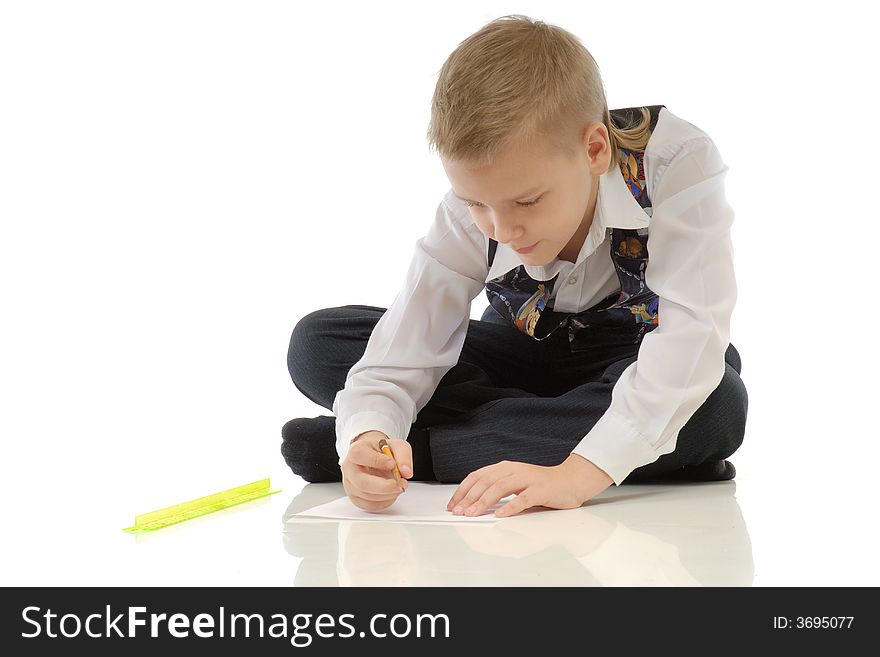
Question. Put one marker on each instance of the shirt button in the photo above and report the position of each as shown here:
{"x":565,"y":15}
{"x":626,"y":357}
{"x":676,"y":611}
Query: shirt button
{"x":572,"y":280}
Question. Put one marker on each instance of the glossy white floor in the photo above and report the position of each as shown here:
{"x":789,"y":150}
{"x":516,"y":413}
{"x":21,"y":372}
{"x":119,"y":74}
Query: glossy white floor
{"x":759,"y":529}
{"x":617,"y":540}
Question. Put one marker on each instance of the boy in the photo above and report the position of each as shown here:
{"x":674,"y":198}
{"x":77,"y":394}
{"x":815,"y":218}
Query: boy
{"x":594,"y":363}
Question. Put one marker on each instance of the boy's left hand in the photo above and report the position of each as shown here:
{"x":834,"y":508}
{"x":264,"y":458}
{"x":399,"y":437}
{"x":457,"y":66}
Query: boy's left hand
{"x":564,"y":486}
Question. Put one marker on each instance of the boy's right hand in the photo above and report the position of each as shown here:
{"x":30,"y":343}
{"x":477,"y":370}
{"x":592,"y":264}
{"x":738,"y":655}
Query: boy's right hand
{"x":367,"y":475}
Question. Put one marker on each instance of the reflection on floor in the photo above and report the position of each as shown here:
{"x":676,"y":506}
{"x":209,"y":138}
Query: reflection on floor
{"x":689,"y":534}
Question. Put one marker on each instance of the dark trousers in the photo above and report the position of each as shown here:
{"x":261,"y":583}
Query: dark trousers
{"x":511,"y":397}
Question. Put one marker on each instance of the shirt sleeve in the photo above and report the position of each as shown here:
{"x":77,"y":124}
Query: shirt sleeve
{"x":419,"y":337}
{"x":680,"y":363}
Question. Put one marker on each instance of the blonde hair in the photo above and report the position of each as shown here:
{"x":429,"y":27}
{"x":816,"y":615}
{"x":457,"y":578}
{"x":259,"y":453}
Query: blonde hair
{"x":526,"y":81}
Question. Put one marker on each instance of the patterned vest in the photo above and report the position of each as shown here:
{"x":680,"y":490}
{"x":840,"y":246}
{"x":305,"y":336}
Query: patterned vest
{"x":620,"y":318}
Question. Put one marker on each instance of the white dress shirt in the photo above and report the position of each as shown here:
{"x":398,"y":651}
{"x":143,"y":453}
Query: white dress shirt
{"x":420,"y":336}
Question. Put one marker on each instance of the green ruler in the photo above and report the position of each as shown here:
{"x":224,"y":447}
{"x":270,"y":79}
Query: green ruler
{"x":147,"y":522}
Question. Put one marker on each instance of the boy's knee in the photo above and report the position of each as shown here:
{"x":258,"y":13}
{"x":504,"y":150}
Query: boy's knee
{"x":615,"y":370}
{"x":734,"y":404}
{"x":303,"y":342}
{"x":732,"y":358}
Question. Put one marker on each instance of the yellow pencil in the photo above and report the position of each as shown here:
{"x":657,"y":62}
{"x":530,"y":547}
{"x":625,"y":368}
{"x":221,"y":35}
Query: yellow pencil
{"x":386,"y":450}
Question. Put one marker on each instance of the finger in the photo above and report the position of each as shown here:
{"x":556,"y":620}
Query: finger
{"x":498,"y":469}
{"x":477,"y":490}
{"x":377,"y":497}
{"x":369,"y":456}
{"x":519,"y":503}
{"x":360,"y":479}
{"x":500,"y":488}
{"x":402,"y":451}
{"x":463,"y":488}
{"x":387,"y":474}
{"x":374,"y":485}
{"x":354,"y":494}
{"x":383,"y":474}
{"x":351,"y":468}
{"x":371,"y":505}
{"x":352,"y":489}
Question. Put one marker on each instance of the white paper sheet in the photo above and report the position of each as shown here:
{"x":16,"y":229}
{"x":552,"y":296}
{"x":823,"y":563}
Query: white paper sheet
{"x":421,"y":502}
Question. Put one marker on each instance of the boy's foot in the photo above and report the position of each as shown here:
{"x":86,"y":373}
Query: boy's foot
{"x":722,"y":470}
{"x":718,"y":470}
{"x":709,"y":471}
{"x":309,"y":448}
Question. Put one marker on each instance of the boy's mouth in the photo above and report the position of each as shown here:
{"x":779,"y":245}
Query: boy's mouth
{"x":527,"y":249}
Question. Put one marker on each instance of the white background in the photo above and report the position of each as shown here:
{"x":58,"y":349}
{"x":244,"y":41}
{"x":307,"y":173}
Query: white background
{"x":181,"y":181}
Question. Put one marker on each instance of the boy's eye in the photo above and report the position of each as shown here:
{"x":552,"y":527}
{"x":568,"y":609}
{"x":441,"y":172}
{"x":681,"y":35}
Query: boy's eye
{"x":525,"y":204}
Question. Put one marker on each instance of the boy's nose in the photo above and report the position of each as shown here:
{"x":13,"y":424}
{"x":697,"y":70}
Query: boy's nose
{"x":508,"y":232}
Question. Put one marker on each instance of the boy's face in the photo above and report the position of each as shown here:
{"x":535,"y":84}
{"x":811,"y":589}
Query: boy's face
{"x":528,"y":196}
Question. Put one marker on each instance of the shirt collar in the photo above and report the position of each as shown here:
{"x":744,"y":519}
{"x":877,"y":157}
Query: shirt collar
{"x":615,"y":208}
